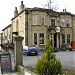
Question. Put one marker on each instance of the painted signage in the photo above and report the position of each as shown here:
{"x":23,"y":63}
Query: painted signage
{"x":6,"y":65}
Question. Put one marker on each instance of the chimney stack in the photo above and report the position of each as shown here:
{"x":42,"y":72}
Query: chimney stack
{"x":22,"y":6}
{"x":16,"y":11}
{"x":64,"y":10}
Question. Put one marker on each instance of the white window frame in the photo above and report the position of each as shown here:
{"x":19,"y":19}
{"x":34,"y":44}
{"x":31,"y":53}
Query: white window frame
{"x":68,"y":23}
{"x":63,"y":22}
{"x":54,"y":22}
{"x":41,"y":20}
{"x":35,"y":20}
{"x":38,"y":20}
{"x":41,"y":38}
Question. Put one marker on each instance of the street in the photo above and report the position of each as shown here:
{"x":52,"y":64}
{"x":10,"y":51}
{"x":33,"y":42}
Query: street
{"x":67,"y":59}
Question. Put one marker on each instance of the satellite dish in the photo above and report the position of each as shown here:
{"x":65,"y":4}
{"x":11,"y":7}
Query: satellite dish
{"x":57,"y":29}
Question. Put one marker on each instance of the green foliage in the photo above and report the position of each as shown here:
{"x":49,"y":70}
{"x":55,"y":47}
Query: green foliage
{"x":48,"y":46}
{"x":48,"y":64}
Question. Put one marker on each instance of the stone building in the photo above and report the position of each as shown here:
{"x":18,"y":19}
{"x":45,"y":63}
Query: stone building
{"x":37,"y":25}
{"x":1,"y":38}
{"x":6,"y":37}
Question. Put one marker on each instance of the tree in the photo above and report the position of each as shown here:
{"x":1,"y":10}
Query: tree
{"x":50,"y":5}
{"x":48,"y":64}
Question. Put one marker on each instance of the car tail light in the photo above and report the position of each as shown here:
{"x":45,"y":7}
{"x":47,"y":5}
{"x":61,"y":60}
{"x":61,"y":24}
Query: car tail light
{"x":28,"y":51}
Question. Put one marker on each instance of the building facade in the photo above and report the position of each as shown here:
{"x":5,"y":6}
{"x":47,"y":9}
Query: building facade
{"x":7,"y":37}
{"x":37,"y":25}
{"x":1,"y":38}
{"x":7,"y":32}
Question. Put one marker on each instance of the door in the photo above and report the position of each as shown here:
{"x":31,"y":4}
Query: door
{"x":55,"y":40}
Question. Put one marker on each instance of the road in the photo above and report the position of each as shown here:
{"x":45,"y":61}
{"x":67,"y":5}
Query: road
{"x":67,"y":59}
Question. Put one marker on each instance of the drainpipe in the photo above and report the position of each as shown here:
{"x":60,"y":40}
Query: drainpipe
{"x":26,"y":27}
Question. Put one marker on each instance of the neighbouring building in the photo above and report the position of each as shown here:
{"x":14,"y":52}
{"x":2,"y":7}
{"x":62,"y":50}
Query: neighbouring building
{"x":1,"y":37}
{"x":37,"y":25}
{"x":7,"y":37}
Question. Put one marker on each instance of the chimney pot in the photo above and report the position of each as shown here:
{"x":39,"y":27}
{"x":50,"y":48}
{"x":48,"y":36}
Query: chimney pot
{"x":63,"y":10}
{"x":16,"y":11}
{"x":21,"y":6}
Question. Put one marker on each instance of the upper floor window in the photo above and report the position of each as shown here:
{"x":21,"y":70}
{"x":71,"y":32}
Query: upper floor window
{"x":35,"y":20}
{"x":17,"y":25}
{"x":9,"y":36}
{"x":62,"y":22}
{"x":5,"y":37}
{"x":38,"y":20}
{"x":68,"y":23}
{"x":41,"y":20}
{"x":52,"y":22}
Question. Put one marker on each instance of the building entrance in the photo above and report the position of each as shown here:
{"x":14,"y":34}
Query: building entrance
{"x":55,"y":40}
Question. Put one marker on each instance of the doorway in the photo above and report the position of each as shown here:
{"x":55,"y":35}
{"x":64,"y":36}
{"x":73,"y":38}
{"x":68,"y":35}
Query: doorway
{"x":55,"y":40}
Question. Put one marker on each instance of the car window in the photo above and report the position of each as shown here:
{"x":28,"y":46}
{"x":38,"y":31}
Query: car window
{"x":25,"y":47}
{"x":31,"y":47}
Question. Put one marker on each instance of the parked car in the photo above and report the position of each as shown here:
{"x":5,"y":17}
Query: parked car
{"x":29,"y":50}
{"x":65,"y":47}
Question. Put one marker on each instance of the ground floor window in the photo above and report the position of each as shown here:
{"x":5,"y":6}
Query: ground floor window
{"x":68,"y":38}
{"x":35,"y":38}
{"x":41,"y":38}
{"x":63,"y":38}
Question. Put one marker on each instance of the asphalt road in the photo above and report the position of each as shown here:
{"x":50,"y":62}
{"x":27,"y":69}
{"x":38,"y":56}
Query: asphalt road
{"x":67,"y":59}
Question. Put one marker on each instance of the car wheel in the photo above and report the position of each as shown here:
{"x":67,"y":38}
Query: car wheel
{"x":70,"y":49}
{"x":36,"y":53}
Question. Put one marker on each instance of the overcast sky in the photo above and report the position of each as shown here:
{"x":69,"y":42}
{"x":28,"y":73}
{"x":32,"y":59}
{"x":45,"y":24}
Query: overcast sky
{"x":7,"y":8}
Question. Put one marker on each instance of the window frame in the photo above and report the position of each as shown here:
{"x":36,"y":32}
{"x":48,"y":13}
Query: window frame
{"x":53,"y":23}
{"x":68,"y":23}
{"x":63,"y":38}
{"x":68,"y":38}
{"x":63,"y":22}
{"x":38,"y":20}
{"x":41,"y":38}
{"x":35,"y":20}
{"x":35,"y":39}
{"x":41,"y":20}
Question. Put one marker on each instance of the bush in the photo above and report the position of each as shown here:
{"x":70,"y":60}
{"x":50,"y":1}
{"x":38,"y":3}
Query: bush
{"x":48,"y":64}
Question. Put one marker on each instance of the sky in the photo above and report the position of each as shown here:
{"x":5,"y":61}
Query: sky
{"x":7,"y":8}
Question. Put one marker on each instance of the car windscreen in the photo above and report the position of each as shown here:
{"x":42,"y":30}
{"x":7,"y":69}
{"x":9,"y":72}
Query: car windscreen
{"x":25,"y":47}
{"x":32,"y":48}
